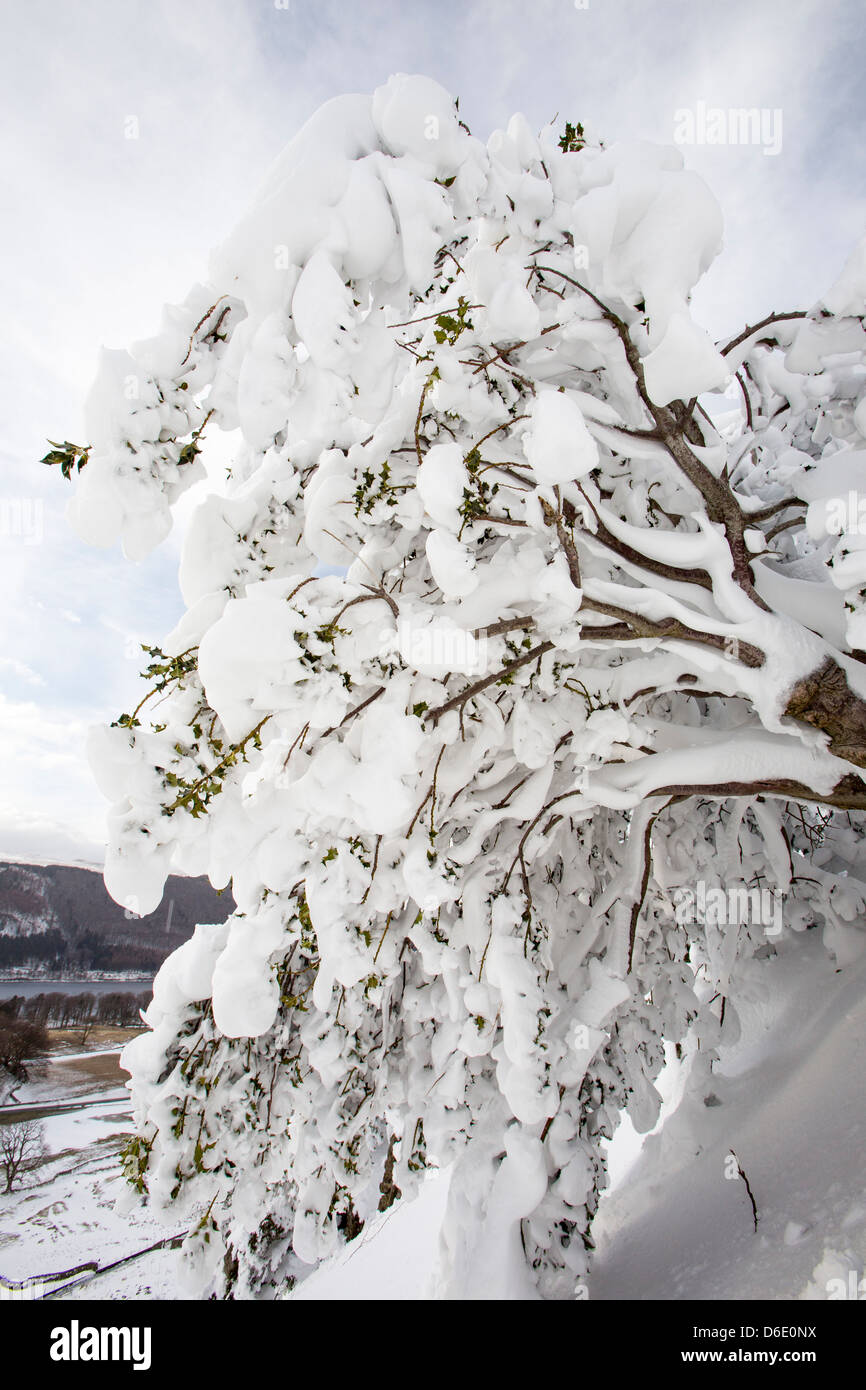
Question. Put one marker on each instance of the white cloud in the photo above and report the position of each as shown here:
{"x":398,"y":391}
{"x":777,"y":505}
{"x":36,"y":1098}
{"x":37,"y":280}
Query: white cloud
{"x":49,"y":799}
{"x":20,"y":670}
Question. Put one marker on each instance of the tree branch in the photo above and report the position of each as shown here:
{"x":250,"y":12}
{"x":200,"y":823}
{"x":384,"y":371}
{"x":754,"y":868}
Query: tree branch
{"x":722,"y":505}
{"x":476,"y":688}
{"x":771,"y":318}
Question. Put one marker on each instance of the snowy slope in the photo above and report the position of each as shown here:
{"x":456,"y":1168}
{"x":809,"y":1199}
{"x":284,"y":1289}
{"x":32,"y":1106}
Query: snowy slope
{"x":394,"y":1257}
{"x":66,"y":1216}
{"x":793,"y":1109}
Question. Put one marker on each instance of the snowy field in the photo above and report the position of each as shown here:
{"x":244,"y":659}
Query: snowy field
{"x":63,"y":1215}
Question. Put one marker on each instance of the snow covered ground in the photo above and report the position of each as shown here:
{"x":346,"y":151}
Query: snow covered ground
{"x":63,"y":1214}
{"x":65,"y":1217}
{"x":787,"y":1099}
{"x":67,"y":1078}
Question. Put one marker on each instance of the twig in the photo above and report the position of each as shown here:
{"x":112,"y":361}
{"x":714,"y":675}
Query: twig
{"x":478,"y":686}
{"x":771,"y":318}
{"x":408,"y":323}
{"x":647,"y":866}
{"x":204,"y":318}
{"x":748,"y":1188}
{"x":352,"y":712}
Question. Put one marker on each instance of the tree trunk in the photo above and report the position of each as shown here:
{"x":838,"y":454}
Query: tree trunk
{"x":825,"y":700}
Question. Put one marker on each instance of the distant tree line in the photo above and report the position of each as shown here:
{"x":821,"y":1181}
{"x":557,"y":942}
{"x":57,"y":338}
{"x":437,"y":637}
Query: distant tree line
{"x":57,"y":1010}
{"x":88,"y":951}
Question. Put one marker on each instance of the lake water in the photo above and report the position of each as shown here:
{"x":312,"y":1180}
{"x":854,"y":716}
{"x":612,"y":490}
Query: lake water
{"x":28,"y":988}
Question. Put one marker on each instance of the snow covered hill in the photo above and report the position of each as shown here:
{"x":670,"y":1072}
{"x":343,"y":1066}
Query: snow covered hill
{"x":58,"y":919}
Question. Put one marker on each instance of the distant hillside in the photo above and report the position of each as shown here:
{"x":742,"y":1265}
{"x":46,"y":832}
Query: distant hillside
{"x":58,"y":920}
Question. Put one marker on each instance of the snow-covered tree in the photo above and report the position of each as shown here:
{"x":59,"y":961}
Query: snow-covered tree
{"x":505,"y":652}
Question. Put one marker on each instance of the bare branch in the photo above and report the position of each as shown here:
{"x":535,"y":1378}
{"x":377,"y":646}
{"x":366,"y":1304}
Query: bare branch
{"x":476,"y":688}
{"x":748,"y":332}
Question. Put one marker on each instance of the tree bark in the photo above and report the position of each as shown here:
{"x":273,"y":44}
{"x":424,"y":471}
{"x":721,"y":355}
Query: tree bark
{"x":825,"y":700}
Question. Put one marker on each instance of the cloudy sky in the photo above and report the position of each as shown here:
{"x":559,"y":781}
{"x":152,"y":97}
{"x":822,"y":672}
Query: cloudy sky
{"x":99,"y":230}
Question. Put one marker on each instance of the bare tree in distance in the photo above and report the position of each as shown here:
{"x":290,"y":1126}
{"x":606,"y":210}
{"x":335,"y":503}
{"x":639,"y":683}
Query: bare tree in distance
{"x":22,"y":1148}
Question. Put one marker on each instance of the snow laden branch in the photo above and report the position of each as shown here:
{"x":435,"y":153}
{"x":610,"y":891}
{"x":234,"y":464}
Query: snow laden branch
{"x":500,"y":638}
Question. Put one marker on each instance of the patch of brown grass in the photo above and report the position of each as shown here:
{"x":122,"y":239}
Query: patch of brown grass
{"x":63,"y":1040}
